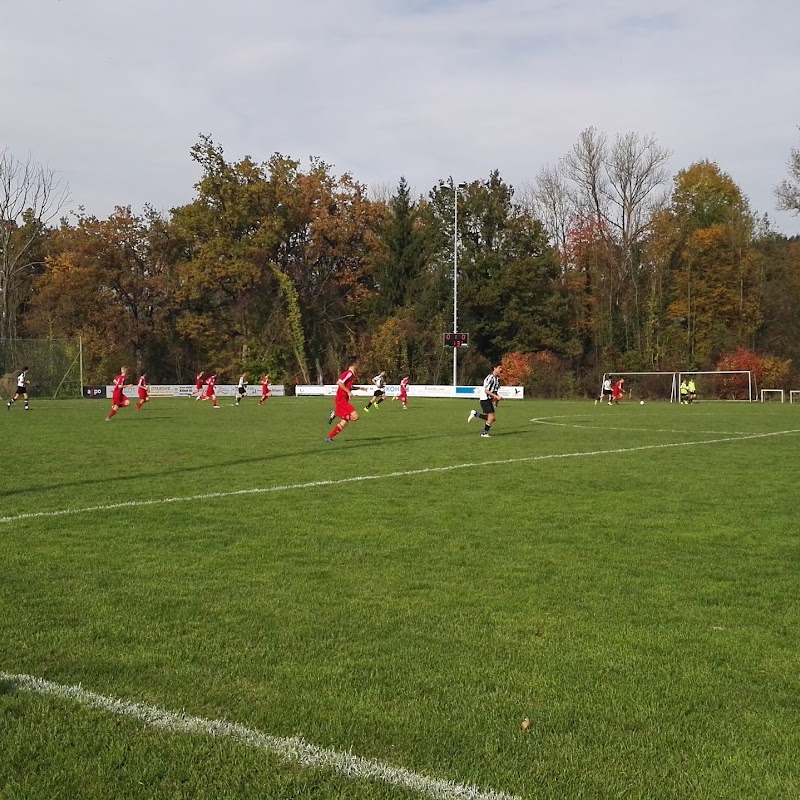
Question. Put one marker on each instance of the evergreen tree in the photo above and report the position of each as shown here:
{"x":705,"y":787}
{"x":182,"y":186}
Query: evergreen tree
{"x":404,"y":253}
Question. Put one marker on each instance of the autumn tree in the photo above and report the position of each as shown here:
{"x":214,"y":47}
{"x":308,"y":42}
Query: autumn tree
{"x":779,"y":333}
{"x":31,"y":197}
{"x":276,"y":257}
{"x":715,"y":280}
{"x":227,"y":289}
{"x":111,"y":282}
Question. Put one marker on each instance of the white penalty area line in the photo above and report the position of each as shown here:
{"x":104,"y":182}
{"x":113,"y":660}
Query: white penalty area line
{"x":64,"y":512}
{"x":294,"y":750}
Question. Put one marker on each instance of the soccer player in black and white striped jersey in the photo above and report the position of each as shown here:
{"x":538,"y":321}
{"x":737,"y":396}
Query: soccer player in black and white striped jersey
{"x":22,"y":389}
{"x":379,"y":382}
{"x":490,"y":397}
{"x":241,"y":389}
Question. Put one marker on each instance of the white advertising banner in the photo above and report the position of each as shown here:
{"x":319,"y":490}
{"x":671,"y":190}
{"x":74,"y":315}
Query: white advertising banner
{"x":187,"y":390}
{"x":417,"y":390}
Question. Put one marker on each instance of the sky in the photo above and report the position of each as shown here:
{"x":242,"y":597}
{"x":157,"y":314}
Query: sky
{"x":111,"y":94}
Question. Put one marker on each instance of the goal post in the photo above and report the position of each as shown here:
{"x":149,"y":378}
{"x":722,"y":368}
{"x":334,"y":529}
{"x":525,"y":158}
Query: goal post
{"x":765,"y":392}
{"x":723,"y":384}
{"x":645,"y":385}
{"x":55,"y":366}
{"x":794,"y":393}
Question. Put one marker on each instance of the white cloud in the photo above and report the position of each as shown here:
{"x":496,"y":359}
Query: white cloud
{"x":114,"y":95}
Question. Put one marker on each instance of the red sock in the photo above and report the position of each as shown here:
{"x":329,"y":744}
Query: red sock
{"x":111,"y":413}
{"x":336,"y":431}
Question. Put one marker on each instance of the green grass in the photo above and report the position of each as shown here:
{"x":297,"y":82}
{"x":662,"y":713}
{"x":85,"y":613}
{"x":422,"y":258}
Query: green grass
{"x":640,"y":607}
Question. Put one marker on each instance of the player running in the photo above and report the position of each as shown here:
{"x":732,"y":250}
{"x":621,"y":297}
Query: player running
{"x":618,"y":392}
{"x":378,"y":396}
{"x":403,"y":396}
{"x":143,"y":389}
{"x":606,"y":391}
{"x":490,"y":397}
{"x":241,"y":388}
{"x":266,"y":389}
{"x":118,"y":399}
{"x":342,"y":407}
{"x":22,"y":390}
{"x":210,"y":392}
{"x":198,"y":385}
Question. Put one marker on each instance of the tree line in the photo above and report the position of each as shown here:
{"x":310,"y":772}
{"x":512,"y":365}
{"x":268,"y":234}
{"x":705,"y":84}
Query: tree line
{"x":602,"y":262}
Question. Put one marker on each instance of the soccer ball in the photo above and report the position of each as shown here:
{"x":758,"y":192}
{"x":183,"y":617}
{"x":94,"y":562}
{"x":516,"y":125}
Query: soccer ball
{"x":641,"y":402}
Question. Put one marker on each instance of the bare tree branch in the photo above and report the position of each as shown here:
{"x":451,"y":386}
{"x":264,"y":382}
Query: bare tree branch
{"x":553,"y":202}
{"x":787,"y":191}
{"x":31,"y":197}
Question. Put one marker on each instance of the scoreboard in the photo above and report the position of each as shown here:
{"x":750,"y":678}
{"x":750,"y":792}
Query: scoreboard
{"x":455,"y":340}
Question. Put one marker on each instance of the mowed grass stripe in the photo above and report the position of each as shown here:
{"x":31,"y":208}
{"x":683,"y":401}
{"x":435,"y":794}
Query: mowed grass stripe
{"x":294,"y":749}
{"x":363,"y":478}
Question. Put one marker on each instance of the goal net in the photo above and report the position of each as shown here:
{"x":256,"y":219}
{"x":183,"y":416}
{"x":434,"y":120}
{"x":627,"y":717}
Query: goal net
{"x":54,"y":366}
{"x":730,"y":384}
{"x":645,"y":385}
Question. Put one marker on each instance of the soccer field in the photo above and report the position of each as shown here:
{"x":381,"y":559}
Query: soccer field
{"x":216,"y":604}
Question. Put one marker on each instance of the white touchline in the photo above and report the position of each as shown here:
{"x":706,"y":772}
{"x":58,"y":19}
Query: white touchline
{"x":64,"y":512}
{"x":292,"y":749}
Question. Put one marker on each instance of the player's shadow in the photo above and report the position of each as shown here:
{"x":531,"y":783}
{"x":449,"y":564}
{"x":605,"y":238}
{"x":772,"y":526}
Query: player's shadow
{"x":340,"y":445}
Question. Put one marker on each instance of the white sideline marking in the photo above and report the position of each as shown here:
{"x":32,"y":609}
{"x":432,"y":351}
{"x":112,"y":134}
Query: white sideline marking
{"x":581,"y":426}
{"x":293,"y":749}
{"x":63,"y":512}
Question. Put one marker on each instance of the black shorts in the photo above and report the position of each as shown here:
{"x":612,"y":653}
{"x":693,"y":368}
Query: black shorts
{"x":242,"y":391}
{"x":487,"y":406}
{"x":607,"y":392}
{"x":378,"y":393}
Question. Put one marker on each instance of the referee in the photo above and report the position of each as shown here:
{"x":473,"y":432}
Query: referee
{"x":490,"y":397}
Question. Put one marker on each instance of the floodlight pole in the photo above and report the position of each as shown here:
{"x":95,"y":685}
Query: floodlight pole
{"x":456,"y":187}
{"x":455,"y":280}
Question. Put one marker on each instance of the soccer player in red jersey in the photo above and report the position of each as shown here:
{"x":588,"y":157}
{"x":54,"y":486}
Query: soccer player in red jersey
{"x":342,"y":407}
{"x":266,"y":390}
{"x":118,"y":399}
{"x":618,"y":391}
{"x":143,"y":390}
{"x":404,"y":393}
{"x":211,"y":392}
{"x":198,"y":385}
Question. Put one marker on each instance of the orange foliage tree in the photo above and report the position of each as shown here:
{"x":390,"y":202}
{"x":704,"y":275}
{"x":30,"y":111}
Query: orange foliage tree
{"x":517,"y":368}
{"x":769,"y":371}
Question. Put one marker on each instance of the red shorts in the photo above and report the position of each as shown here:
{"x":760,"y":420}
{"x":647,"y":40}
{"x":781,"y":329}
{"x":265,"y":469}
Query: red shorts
{"x":266,"y":394}
{"x":403,"y":393}
{"x":343,"y":409}
{"x":208,"y":395}
{"x":142,"y":394}
{"x":118,"y":398}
